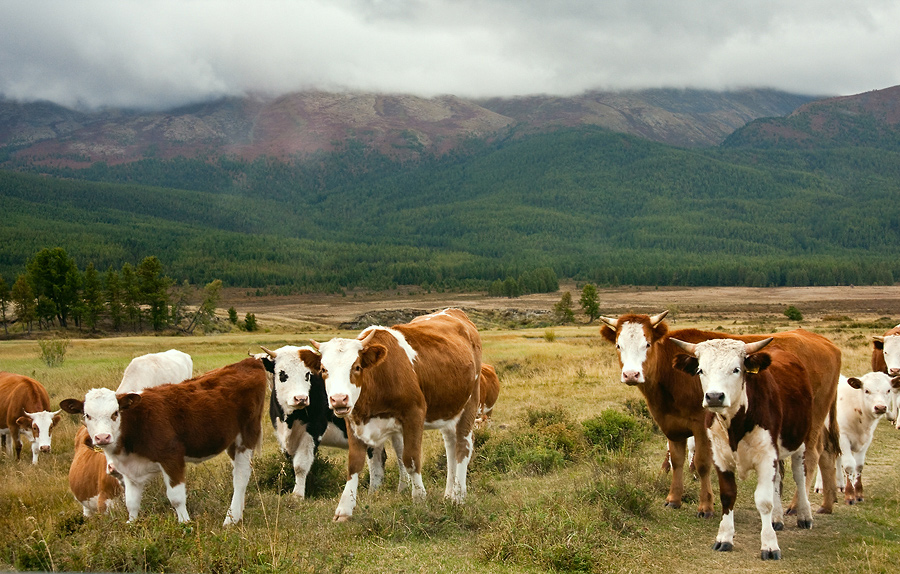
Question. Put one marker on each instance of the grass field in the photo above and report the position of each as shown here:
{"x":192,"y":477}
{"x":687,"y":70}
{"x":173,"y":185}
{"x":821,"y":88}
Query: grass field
{"x":544,"y":494}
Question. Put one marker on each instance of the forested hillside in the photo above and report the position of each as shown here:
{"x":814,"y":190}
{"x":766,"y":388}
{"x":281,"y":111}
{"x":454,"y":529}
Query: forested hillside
{"x":588,"y":203}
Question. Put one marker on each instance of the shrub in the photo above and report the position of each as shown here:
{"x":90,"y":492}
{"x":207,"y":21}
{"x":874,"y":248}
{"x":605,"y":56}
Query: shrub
{"x":793,"y":313}
{"x":613,"y":430}
{"x":250,"y":322}
{"x":53,"y":351}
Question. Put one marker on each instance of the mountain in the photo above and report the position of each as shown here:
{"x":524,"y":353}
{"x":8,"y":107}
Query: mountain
{"x":871,"y":119}
{"x":402,"y":126}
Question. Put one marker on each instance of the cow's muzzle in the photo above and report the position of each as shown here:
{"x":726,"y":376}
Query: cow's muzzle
{"x":714,"y":399}
{"x":340,"y":404}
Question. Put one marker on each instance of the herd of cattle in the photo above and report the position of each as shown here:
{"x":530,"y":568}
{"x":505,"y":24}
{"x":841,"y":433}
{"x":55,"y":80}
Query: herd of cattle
{"x":743,"y":403}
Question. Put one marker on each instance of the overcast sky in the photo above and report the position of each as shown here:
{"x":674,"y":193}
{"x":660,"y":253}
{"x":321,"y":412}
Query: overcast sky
{"x":160,"y":53}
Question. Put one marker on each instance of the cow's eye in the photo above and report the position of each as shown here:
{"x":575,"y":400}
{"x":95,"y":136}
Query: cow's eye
{"x":357,"y":369}
{"x":699,"y":371}
{"x":648,"y":345}
{"x":324,"y":373}
{"x":618,"y":348}
{"x":115,"y":415}
{"x":87,"y":417}
{"x":736,"y":370}
{"x":308,"y":375}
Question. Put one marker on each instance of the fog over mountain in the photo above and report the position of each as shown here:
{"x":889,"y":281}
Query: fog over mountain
{"x":155,"y":54}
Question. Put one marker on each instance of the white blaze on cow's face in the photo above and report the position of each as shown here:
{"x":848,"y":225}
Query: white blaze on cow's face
{"x":292,"y":378}
{"x":876,"y":391}
{"x":632,"y":344}
{"x":721,"y":370}
{"x":891,"y":351}
{"x":102,"y":417}
{"x":341,"y":367}
{"x":41,"y":427}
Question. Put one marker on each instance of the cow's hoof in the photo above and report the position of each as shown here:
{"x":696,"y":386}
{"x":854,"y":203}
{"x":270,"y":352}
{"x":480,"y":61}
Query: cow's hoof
{"x":805,"y":524}
{"x":770,"y":554}
{"x":341,"y":518}
{"x":673,"y":504}
{"x":859,"y":499}
{"x":823,"y":510}
{"x":705,"y":514}
{"x":778,"y":526}
{"x":791,"y":511}
{"x":723,"y":546}
{"x":850,"y":501}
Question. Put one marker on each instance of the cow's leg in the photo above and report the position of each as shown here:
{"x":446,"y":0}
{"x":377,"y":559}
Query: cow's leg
{"x":860,"y":463}
{"x":377,"y":459}
{"x":35,"y":449}
{"x":134,"y":491}
{"x":777,"y":508}
{"x":356,"y":461}
{"x":17,"y":441}
{"x":798,"y":471}
{"x":465,"y":445}
{"x":397,"y":442}
{"x":767,"y":475}
{"x":817,"y":457}
{"x":676,"y":488}
{"x":240,"y":477}
{"x":727,"y":495}
{"x":703,"y":467}
{"x":412,"y":454}
{"x":303,"y":460}
{"x":176,"y":490}
{"x":450,"y":449}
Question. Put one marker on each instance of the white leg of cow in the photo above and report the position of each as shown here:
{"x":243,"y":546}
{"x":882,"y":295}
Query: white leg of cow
{"x":777,"y":508}
{"x":397,"y":443}
{"x":35,"y":449}
{"x":376,"y":467}
{"x":450,"y":448}
{"x":462,"y":469}
{"x":240,"y":477}
{"x":418,"y":487}
{"x":725,"y":535}
{"x":177,"y":494}
{"x":764,"y":497}
{"x":134,"y":491}
{"x":848,"y":462}
{"x":347,"y":503}
{"x":804,"y":510}
{"x":303,"y":460}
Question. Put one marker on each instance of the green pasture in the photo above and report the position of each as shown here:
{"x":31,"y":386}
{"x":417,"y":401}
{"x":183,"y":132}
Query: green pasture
{"x":566,"y":479}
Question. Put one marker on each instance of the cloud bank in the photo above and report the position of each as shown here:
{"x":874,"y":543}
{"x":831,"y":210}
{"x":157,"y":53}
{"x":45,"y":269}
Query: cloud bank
{"x":162,"y":53}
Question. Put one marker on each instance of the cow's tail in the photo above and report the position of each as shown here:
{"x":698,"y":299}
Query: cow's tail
{"x":832,"y":435}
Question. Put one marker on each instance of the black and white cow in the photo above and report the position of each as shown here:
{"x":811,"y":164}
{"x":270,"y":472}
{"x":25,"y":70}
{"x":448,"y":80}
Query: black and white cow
{"x":298,"y":409}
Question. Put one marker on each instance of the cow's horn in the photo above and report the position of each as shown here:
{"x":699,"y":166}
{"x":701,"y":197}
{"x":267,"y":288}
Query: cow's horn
{"x":878,"y":338}
{"x":689,"y":347}
{"x":610,"y":321}
{"x":657,"y":319}
{"x":365,"y":340}
{"x":315,"y":344}
{"x":272,"y":354}
{"x":751,"y":348}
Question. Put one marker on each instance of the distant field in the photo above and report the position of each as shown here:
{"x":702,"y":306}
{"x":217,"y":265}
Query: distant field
{"x":541,"y":499}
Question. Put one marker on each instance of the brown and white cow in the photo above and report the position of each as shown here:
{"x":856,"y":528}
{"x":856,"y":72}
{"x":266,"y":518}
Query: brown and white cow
{"x":400,"y":381}
{"x":674,"y":398}
{"x":490,"y":391}
{"x":89,"y":480}
{"x":886,"y":359}
{"x":24,"y":411}
{"x":758,"y":412}
{"x":166,"y":426}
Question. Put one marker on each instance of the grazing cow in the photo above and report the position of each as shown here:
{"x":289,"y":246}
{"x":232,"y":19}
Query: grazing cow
{"x":886,"y":359}
{"x":674,"y":398}
{"x":298,"y":409}
{"x":490,"y":390}
{"x":89,"y":480}
{"x":862,"y":402}
{"x":759,"y":408}
{"x":164,"y":427}
{"x":24,"y":411}
{"x":400,"y":381}
{"x":156,"y":369}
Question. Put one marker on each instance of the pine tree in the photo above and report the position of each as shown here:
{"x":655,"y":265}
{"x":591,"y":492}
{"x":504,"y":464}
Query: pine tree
{"x":563,"y":308}
{"x":590,"y":303}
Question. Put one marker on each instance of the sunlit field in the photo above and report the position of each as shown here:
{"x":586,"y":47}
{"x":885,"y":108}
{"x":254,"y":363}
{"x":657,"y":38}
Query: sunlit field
{"x":545,"y":493}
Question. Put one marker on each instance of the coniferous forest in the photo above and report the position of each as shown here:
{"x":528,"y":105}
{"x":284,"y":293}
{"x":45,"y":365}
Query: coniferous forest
{"x":586,"y":204}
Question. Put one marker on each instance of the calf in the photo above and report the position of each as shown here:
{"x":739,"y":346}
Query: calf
{"x":490,"y":390}
{"x":400,"y":381}
{"x":154,"y":369}
{"x":758,"y":413}
{"x":89,"y":480}
{"x":164,"y":427}
{"x":298,"y":409}
{"x":24,"y":411}
{"x":862,"y":402}
{"x":886,"y":359}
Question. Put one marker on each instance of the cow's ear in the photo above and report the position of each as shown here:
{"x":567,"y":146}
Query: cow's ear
{"x":268,"y":364}
{"x":55,"y":420}
{"x":372,"y":355}
{"x":312,"y":360}
{"x":895,"y":383}
{"x":878,"y":344}
{"x":24,"y":421}
{"x":757,"y":362}
{"x":686,"y":363}
{"x":854,"y":382}
{"x":128,"y":401}
{"x":72,"y":406}
{"x":608,"y":333}
{"x":659,"y":331}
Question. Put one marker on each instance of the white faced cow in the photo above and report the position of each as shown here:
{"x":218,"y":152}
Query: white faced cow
{"x":298,"y":409}
{"x":24,"y":412}
{"x":154,"y":369}
{"x":758,"y":412}
{"x":164,"y":427}
{"x":400,"y":381}
{"x":862,"y":402}
{"x":886,"y":359}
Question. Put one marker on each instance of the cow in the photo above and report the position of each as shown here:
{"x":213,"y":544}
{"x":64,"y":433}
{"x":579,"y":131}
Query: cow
{"x":886,"y":359}
{"x":758,"y":412}
{"x":162,"y":428}
{"x":90,"y":483}
{"x":25,"y":411}
{"x":155,"y":369}
{"x":674,"y":398}
{"x":399,"y":381}
{"x":490,"y":390}
{"x":862,"y":402}
{"x":298,"y":409}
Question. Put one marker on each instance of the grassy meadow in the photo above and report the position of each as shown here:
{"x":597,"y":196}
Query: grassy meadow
{"x":566,"y":478}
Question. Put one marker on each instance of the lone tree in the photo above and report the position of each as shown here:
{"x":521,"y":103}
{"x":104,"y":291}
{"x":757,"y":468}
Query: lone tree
{"x":563,"y":309}
{"x":590,"y":302}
